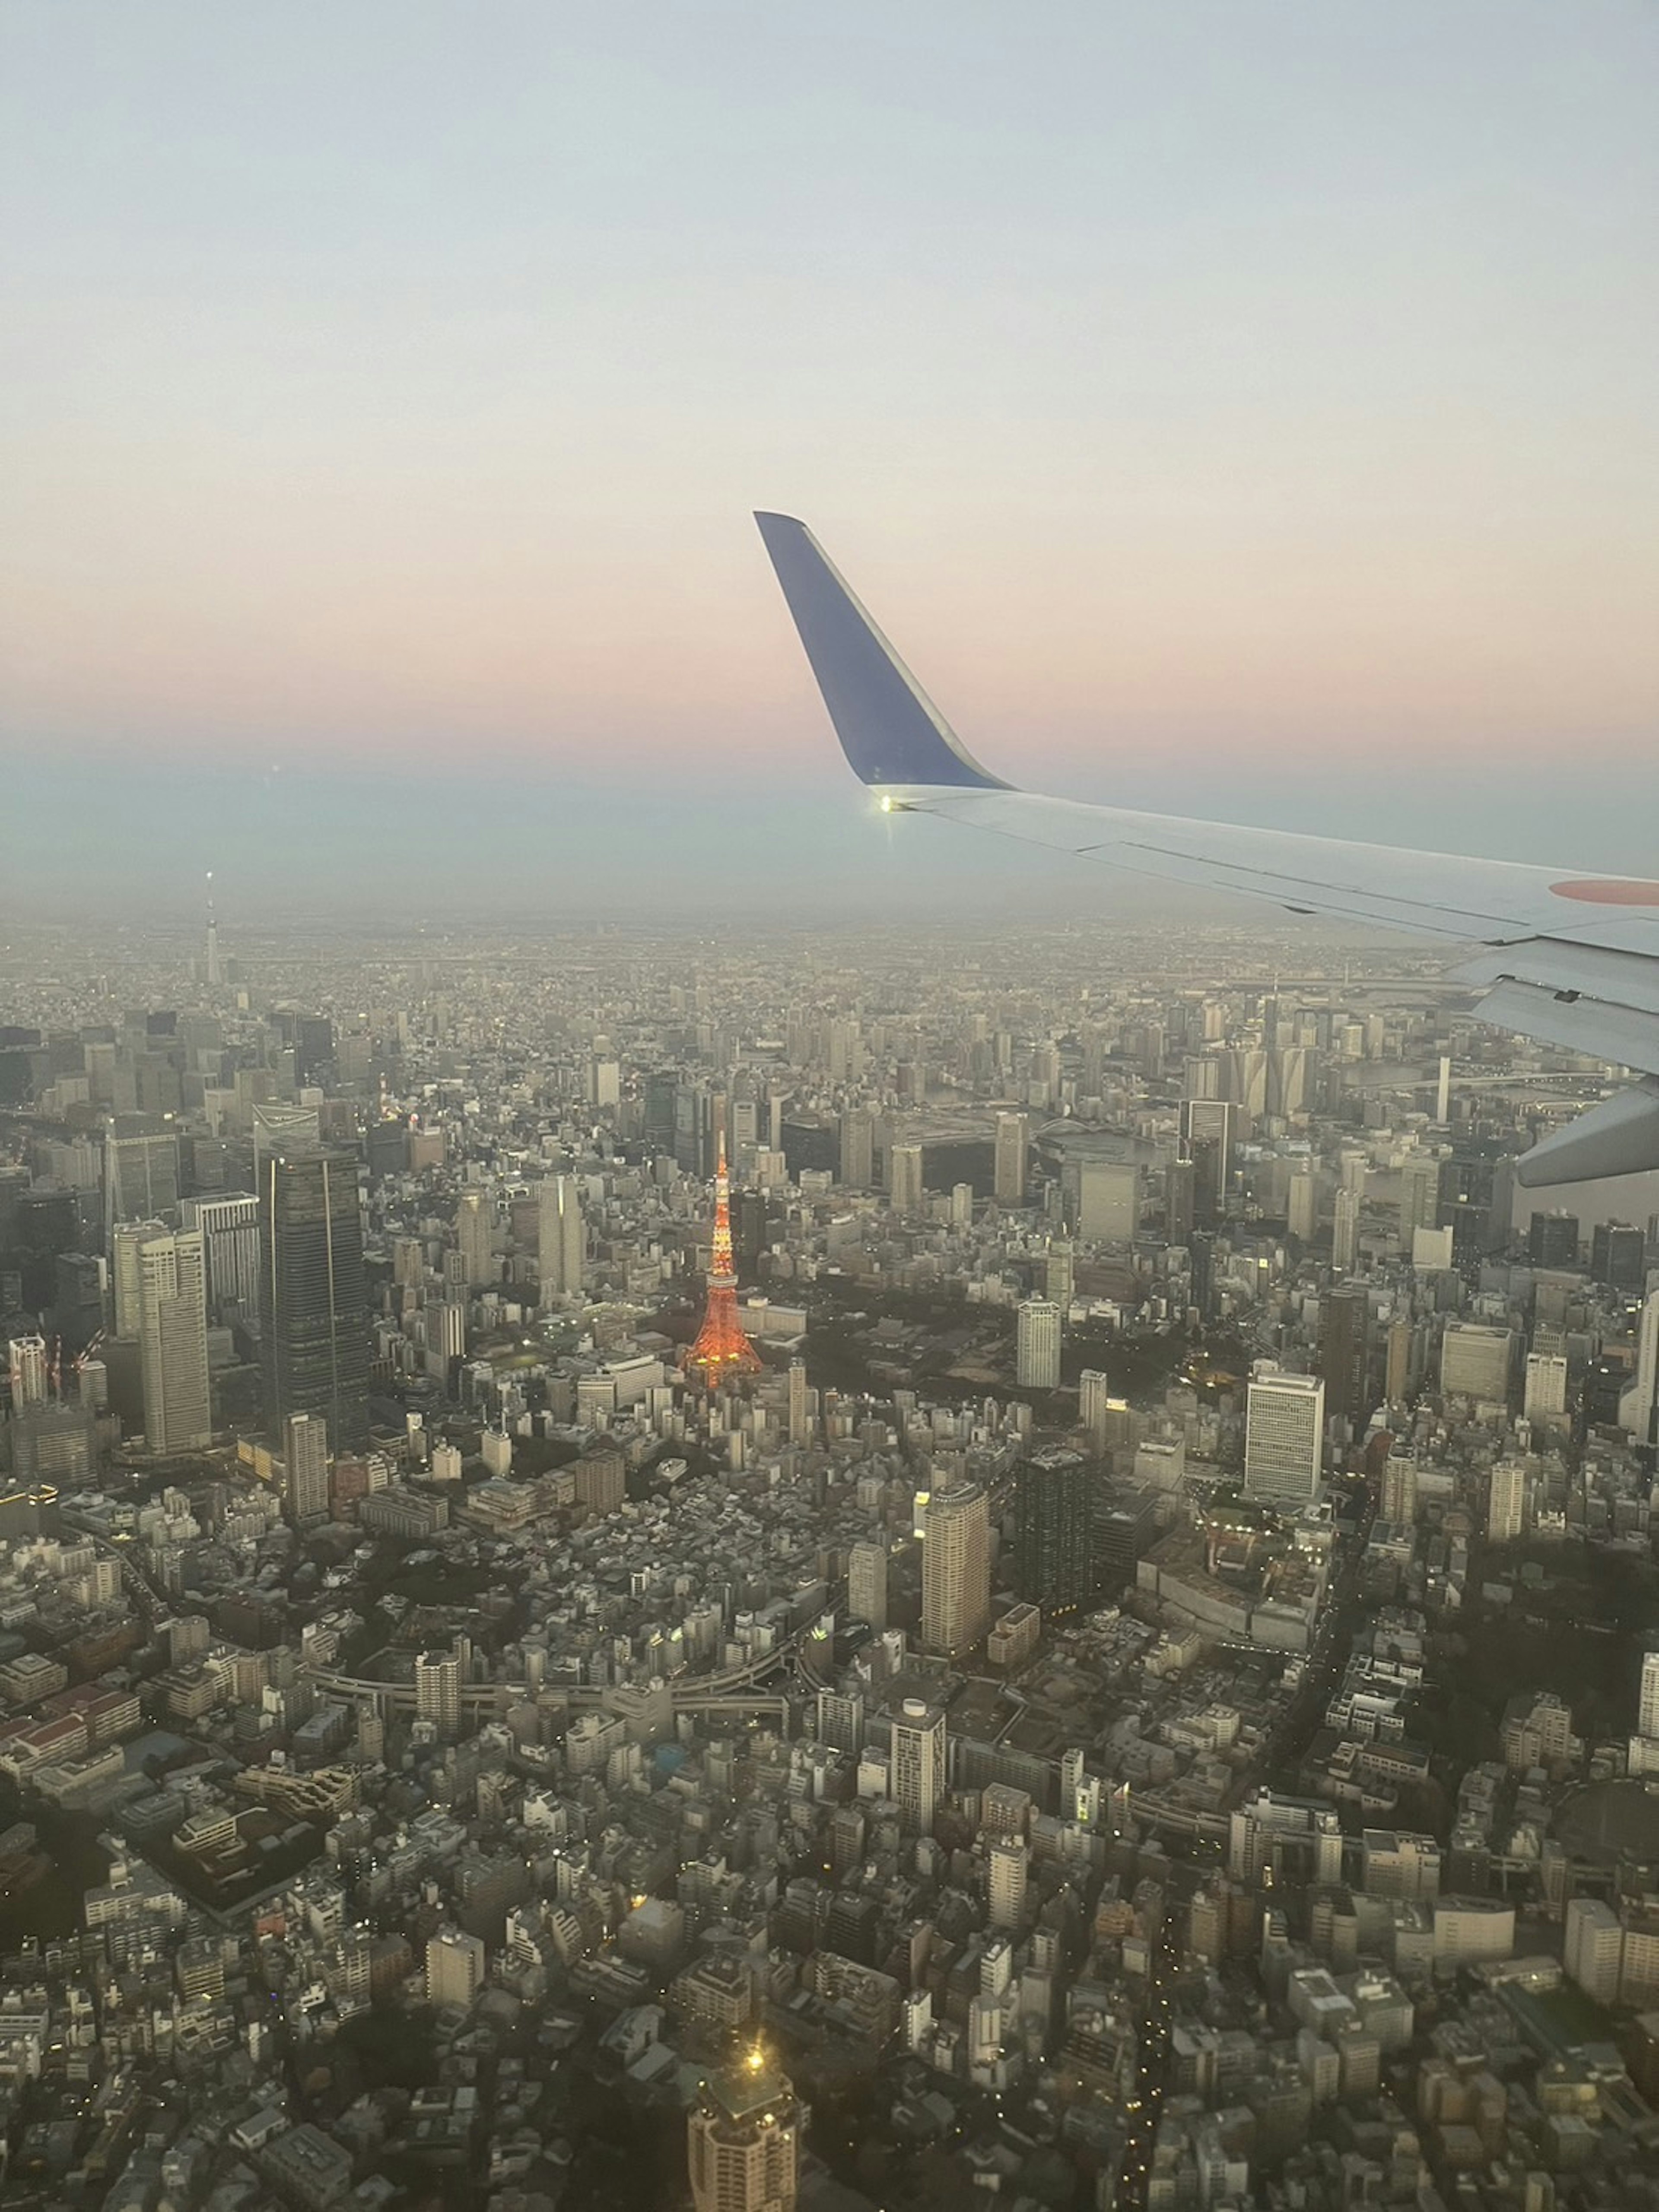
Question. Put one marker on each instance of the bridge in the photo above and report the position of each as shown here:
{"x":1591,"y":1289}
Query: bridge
{"x":724,"y":1692}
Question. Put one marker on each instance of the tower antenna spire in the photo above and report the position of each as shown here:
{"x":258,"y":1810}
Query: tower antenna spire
{"x":721,"y":1348}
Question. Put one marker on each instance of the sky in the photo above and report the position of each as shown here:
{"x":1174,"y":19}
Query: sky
{"x":1239,"y":407}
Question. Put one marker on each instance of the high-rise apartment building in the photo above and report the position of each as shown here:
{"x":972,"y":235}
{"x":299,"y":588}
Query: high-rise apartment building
{"x":1506,"y":1501}
{"x":1012,"y":1143}
{"x":26,"y":1367}
{"x":1638,"y":1408}
{"x":916,"y":1764}
{"x":956,"y":1570}
{"x":455,"y":1966}
{"x":1283,"y":1436}
{"x":1054,"y":1546}
{"x":172,"y":1341}
{"x":1037,"y":1345}
{"x":1647,"y":1695}
{"x":438,"y":1692}
{"x":305,"y":1469}
{"x":1398,"y":1501}
{"x":315,"y":1320}
{"x":1005,"y":1876}
{"x":1545,"y":1397}
{"x":563,"y":1237}
{"x":743,"y":2140}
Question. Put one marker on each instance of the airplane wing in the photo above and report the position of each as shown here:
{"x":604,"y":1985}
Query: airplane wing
{"x":1566,"y":955}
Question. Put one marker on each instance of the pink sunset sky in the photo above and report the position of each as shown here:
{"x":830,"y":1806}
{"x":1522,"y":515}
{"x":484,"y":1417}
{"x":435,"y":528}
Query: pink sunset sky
{"x":1210,"y":400}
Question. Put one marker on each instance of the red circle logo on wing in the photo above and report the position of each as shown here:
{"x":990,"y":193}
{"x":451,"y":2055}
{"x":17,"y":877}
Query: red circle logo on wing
{"x":1609,"y":891}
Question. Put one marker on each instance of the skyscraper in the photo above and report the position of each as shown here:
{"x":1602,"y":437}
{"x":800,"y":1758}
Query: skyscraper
{"x":1053,"y":1539}
{"x":1284,"y":1436}
{"x":743,"y":2140}
{"x":314,"y":1305}
{"x":1345,"y":1231}
{"x":1618,"y":1255}
{"x":1638,"y":1407}
{"x":1108,"y":1201}
{"x":475,"y":1230}
{"x":172,"y":1341}
{"x":1037,"y":1345}
{"x":866,"y":1584}
{"x":230,"y":1240}
{"x":956,"y":1570}
{"x":1180,"y":1198}
{"x":1420,"y":1195}
{"x":304,"y":1461}
{"x":918,"y":1764}
{"x":563,"y":1237}
{"x":904,"y":1178}
{"x":1013,"y":1138}
{"x":1345,"y":1359}
{"x":141,"y":1171}
{"x":800,"y":1404}
{"x":1208,"y":1126}
{"x":858,"y":1149}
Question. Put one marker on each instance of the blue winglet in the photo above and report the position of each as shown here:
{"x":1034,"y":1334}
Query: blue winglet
{"x":889,"y":730}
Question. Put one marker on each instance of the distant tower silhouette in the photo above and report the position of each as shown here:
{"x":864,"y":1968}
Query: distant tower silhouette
{"x":721,"y":1348}
{"x":214,"y":970}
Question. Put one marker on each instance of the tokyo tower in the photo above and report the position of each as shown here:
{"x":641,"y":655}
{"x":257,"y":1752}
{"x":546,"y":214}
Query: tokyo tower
{"x":721,"y":1348}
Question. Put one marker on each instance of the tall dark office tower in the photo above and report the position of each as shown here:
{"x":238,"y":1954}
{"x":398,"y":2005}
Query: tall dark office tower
{"x":1345,"y":1355}
{"x":1553,"y":1240}
{"x":1054,"y":1551}
{"x":659,"y":1111}
{"x":1210,"y":1130}
{"x":749,"y":1233}
{"x":313,"y":1302}
{"x":1180,"y":1200}
{"x":313,"y":1047}
{"x":1618,"y":1255}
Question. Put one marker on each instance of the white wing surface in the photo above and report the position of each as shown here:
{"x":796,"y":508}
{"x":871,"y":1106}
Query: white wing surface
{"x":1566,"y":955}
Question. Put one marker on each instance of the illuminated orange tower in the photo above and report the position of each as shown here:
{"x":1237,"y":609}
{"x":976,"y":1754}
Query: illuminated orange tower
{"x":722,"y":1349}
